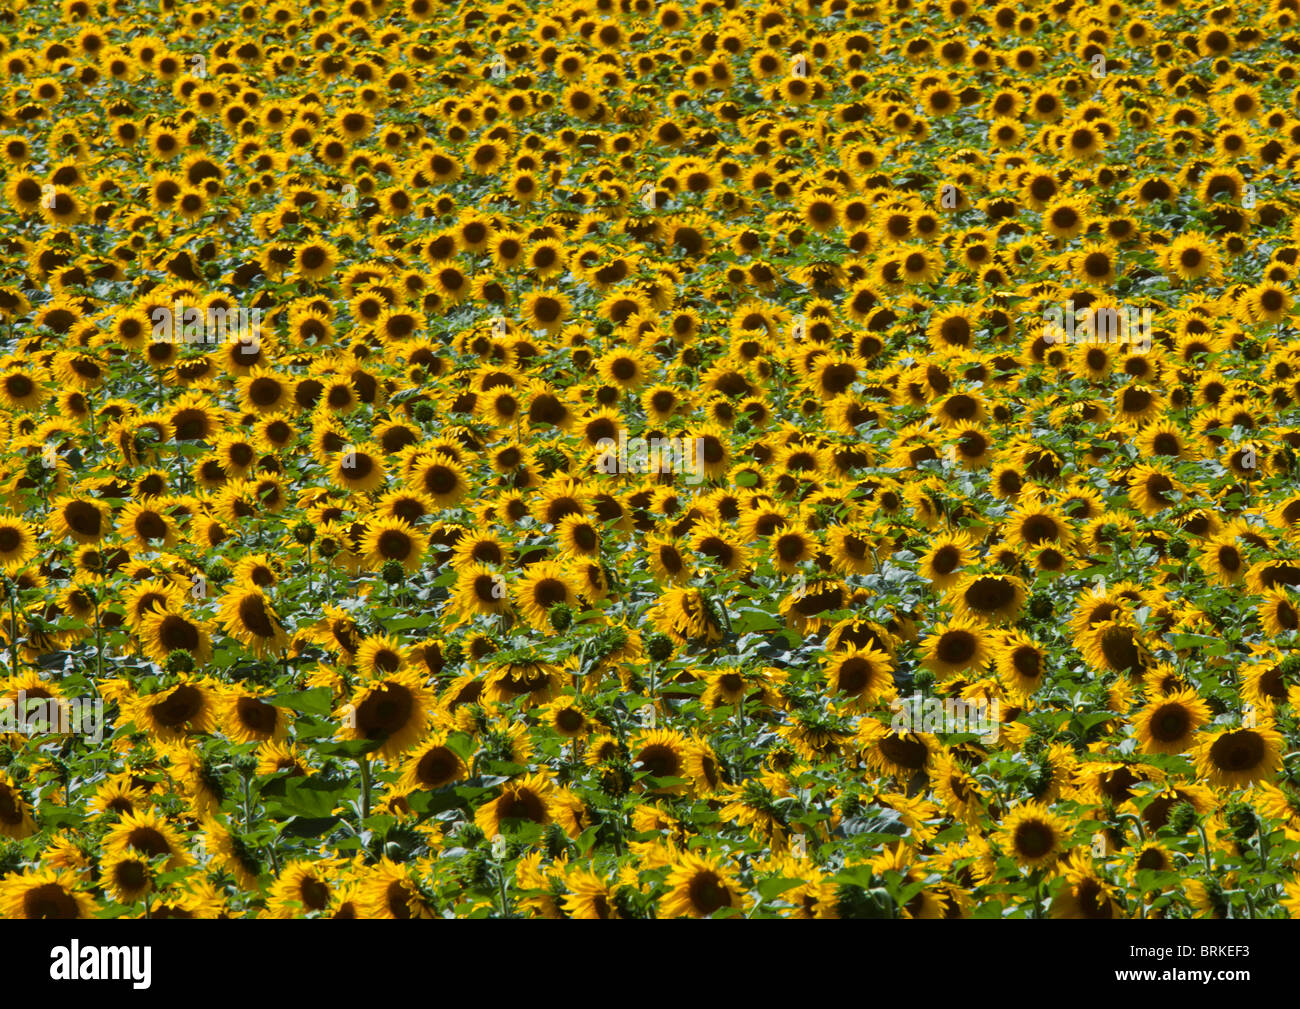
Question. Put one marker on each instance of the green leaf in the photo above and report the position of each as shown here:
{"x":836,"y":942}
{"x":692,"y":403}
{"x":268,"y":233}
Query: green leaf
{"x":312,"y":797}
{"x":317,"y":701}
{"x":350,"y":748}
{"x":776,"y":886}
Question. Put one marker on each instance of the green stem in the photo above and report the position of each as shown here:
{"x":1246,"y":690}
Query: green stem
{"x":248,"y":803}
{"x":1137,"y":824}
{"x":13,"y":629}
{"x":501,"y":889}
{"x":1205,"y":849}
{"x":99,"y":645}
{"x":364,"y":761}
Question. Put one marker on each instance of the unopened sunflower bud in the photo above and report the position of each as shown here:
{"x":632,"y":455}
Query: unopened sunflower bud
{"x":659,"y":646}
{"x":1241,"y":818}
{"x":1182,"y":818}
{"x":304,"y":533}
{"x":179,"y":661}
{"x":561,"y":617}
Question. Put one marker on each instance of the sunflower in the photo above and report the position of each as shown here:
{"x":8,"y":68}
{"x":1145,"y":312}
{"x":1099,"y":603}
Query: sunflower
{"x":1190,"y":256}
{"x":534,"y":680}
{"x":579,"y":536}
{"x":358,"y":468}
{"x":149,"y":834}
{"x":379,"y":654}
{"x":1169,"y":723}
{"x":954,"y":327}
{"x":1064,"y":218}
{"x":1138,"y":403}
{"x":667,"y":559}
{"x":81,"y":519}
{"x":1236,"y":758}
{"x":851,"y":550}
{"x":943,"y":561}
{"x":700,"y":886}
{"x":1021,"y":663}
{"x":15,"y":816}
{"x":589,"y":897}
{"x":1034,"y":836}
{"x":1084,"y":894}
{"x":172,"y":714}
{"x":865,"y":675}
{"x":527,"y":798}
{"x":901,"y":754}
{"x":956,"y":646}
{"x":1223,"y":560}
{"x":148,"y":524}
{"x":394,"y":540}
{"x":1266,"y":303}
{"x":278,"y":758}
{"x":545,"y":310}
{"x":315,"y":260}
{"x":44,"y":893}
{"x":988,"y":597}
{"x":479,"y":590}
{"x":543,"y":586}
{"x":957,"y":789}
{"x":247,"y":716}
{"x":662,"y":754}
{"x":248,"y":616}
{"x":118,"y":794}
{"x":126,"y":876}
{"x":391,"y":709}
{"x":714,"y":541}
{"x":1153,"y":488}
{"x":433,"y":764}
{"x":302,"y":887}
{"x":1116,"y":645}
{"x":440,"y":477}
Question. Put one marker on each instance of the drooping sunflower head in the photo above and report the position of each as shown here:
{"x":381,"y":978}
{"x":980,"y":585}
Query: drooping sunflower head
{"x":392,"y":709}
{"x":1235,"y":758}
{"x":172,"y":714}
{"x":248,"y":616}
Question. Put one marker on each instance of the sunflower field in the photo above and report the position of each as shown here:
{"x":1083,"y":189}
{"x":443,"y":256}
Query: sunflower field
{"x":637,"y":459}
